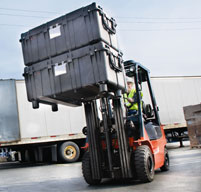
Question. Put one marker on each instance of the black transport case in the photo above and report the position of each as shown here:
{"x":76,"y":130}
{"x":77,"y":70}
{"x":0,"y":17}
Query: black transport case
{"x":75,"y":76}
{"x":87,"y":25}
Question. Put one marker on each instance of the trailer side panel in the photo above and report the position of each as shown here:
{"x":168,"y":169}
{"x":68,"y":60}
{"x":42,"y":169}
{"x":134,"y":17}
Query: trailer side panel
{"x":9,"y":124}
{"x":42,"y":122}
{"x":172,"y":94}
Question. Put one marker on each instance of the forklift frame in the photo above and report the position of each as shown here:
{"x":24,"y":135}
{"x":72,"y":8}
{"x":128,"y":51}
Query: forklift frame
{"x":102,"y":161}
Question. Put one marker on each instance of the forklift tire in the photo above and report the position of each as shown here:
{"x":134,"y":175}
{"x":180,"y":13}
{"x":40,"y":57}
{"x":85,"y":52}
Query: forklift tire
{"x":69,"y":152}
{"x":144,"y":164}
{"x":166,"y":165}
{"x":86,"y":170}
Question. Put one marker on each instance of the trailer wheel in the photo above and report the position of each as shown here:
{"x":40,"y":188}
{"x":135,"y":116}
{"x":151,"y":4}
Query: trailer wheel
{"x":86,"y":170}
{"x":69,"y":152}
{"x":144,"y":164}
{"x":166,"y":165}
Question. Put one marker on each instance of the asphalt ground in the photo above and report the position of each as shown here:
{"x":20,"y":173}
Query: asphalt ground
{"x":184,"y":175}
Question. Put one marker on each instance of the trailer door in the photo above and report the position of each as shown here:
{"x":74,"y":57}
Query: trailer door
{"x":9,"y":123}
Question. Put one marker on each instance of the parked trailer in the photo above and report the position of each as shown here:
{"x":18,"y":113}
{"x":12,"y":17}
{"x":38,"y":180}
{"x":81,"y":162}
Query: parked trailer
{"x":32,"y":133}
{"x":172,"y":94}
{"x":37,"y":135}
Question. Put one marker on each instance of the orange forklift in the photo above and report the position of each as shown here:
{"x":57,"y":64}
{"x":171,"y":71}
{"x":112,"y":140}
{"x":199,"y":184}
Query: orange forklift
{"x":74,"y":60}
{"x":121,"y":146}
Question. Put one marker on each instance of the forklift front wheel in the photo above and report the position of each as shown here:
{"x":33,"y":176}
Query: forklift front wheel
{"x":144,"y":164}
{"x":86,"y":170}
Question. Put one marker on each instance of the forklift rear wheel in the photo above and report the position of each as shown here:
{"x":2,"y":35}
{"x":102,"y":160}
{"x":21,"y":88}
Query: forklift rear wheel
{"x":144,"y":164}
{"x":69,"y":152}
{"x":86,"y":170}
{"x":166,"y":165}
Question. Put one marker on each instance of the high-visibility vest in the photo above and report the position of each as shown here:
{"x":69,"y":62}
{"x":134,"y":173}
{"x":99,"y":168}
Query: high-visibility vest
{"x":131,"y":95}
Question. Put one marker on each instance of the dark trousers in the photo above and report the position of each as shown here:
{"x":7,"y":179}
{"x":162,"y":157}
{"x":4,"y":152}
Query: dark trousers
{"x":132,"y":112}
{"x":133,"y":115}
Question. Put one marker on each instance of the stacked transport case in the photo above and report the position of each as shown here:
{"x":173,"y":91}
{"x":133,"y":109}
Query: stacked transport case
{"x":75,"y":59}
{"x":69,"y":58}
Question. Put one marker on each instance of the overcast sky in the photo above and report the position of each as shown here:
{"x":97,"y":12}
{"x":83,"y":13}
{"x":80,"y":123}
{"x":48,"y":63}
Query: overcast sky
{"x":164,"y":35}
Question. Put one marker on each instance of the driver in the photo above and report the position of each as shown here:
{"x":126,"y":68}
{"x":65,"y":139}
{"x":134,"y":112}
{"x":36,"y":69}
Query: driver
{"x":130,"y":98}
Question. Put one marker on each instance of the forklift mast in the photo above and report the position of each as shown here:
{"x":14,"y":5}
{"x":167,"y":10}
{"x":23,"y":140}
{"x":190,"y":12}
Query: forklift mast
{"x":105,"y":161}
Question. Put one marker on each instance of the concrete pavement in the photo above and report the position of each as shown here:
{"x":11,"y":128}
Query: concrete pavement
{"x":184,"y":175}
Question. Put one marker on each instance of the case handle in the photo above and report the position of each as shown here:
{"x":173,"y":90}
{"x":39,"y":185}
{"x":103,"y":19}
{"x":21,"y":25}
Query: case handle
{"x":113,"y":64}
{"x":111,"y":29}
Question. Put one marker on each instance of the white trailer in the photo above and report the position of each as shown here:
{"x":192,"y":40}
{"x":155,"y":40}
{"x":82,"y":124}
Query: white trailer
{"x":32,"y":133}
{"x":172,"y":94}
{"x":37,"y":134}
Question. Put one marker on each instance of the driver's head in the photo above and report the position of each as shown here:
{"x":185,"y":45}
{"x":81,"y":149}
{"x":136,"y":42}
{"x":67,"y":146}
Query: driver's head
{"x":129,"y":84}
